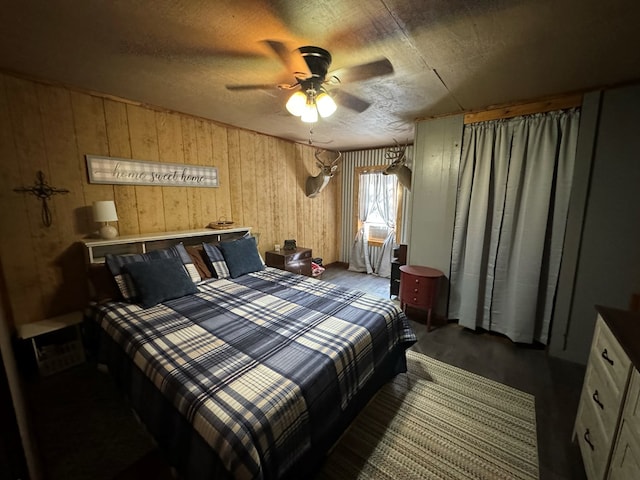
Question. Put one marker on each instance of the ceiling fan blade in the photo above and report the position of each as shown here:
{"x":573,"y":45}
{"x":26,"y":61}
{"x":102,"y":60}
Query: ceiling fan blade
{"x":270,"y":86}
{"x":350,"y":101}
{"x":365,"y":71}
{"x":294,"y":61}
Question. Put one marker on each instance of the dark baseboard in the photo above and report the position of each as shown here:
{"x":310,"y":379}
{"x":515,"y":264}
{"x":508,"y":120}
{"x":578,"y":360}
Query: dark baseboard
{"x":343,"y":265}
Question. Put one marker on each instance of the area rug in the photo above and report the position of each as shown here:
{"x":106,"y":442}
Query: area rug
{"x":441,"y":422}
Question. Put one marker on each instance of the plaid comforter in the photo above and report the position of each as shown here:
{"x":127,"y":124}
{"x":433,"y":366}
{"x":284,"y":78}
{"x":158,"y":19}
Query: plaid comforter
{"x":260,"y":365}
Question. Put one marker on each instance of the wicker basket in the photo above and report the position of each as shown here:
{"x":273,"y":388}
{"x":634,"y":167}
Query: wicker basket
{"x":57,"y":357}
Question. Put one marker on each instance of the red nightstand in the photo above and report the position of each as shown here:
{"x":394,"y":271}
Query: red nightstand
{"x":419,"y":287}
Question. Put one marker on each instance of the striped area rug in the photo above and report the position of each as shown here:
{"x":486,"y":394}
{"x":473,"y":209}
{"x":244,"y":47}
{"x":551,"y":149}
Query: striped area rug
{"x":440,"y":422}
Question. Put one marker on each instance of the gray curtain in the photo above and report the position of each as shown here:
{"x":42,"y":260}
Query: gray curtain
{"x":513,"y":197}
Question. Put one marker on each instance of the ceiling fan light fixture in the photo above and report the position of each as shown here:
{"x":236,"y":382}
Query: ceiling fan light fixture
{"x":310,"y":113}
{"x":326,"y":105}
{"x":296,"y":103}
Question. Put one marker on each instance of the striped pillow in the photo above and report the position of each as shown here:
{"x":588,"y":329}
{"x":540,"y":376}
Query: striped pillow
{"x":123,"y":279}
{"x":216,"y":260}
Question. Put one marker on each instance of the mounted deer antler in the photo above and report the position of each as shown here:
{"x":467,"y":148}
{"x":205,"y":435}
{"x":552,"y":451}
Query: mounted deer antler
{"x":398,"y":157}
{"x":315,"y":185}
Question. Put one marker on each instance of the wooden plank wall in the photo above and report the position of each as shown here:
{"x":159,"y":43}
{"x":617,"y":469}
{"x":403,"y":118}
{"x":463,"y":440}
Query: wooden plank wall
{"x":51,"y":128}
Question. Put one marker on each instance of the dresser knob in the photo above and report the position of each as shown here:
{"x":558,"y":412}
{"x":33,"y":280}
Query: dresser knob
{"x":605,"y":355}
{"x":417,"y":281}
{"x":597,"y":400}
{"x":588,"y":440}
{"x":415,"y":290}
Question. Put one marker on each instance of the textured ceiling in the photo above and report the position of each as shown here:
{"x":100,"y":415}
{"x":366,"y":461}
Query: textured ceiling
{"x":448,"y":55}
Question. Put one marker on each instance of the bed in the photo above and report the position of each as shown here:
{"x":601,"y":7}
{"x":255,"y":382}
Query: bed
{"x":254,"y":374}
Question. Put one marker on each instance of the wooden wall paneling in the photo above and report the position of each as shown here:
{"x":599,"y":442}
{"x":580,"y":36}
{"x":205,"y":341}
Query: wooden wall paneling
{"x":30,"y":156}
{"x":51,"y":128}
{"x":171,"y":150}
{"x":144,"y":146}
{"x":91,"y":138}
{"x":301,"y":175}
{"x":259,"y":211}
{"x":235,"y":177}
{"x":120,"y":146}
{"x":69,"y":223}
{"x":190,"y":152}
{"x":265,"y":195}
{"x":221,"y":162}
{"x":248,"y":185}
{"x":205,"y":157}
{"x":282,"y":184}
{"x":267,"y":191}
{"x":305,"y":204}
{"x":290,"y":191}
{"x":15,"y":245}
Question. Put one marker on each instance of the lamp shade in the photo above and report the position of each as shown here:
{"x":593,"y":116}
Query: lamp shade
{"x":296,"y":103}
{"x":326,"y":105}
{"x":104,"y":211}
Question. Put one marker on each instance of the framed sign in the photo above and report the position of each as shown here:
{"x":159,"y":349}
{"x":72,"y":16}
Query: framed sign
{"x":123,"y":171}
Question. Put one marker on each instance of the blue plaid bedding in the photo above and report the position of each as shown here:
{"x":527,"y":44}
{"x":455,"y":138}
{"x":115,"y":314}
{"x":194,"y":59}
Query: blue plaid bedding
{"x":260,"y":365}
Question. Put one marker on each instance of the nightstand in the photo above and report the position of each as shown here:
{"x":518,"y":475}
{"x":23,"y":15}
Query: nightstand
{"x":57,"y":342}
{"x":296,"y":261}
{"x":418,"y":288}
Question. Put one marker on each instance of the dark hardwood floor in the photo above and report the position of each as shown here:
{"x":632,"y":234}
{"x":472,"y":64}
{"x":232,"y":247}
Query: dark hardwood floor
{"x":554,"y":383}
{"x":66,"y":404}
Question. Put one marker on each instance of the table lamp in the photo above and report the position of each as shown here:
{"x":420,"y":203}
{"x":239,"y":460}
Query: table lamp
{"x":104,"y":211}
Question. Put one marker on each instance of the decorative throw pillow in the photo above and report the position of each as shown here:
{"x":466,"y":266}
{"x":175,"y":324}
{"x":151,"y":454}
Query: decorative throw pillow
{"x":159,"y":280}
{"x":241,"y":256}
{"x":217,"y":264}
{"x":200,"y":260}
{"x":126,"y":286}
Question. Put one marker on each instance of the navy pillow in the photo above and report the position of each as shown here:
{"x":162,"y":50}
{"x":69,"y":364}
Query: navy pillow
{"x":241,"y":256}
{"x":116,"y":265}
{"x":159,"y":280}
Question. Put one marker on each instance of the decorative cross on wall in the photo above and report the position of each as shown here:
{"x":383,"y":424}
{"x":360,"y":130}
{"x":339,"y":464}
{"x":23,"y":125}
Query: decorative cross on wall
{"x":44,"y":192}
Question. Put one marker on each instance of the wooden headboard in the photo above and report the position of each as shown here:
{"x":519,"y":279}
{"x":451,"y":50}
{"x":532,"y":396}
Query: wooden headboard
{"x":101,"y":283}
{"x":96,"y":249}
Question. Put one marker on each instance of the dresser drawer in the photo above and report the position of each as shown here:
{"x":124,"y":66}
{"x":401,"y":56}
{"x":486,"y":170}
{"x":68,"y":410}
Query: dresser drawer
{"x":625,"y":463}
{"x":605,"y":400}
{"x":417,"y":291}
{"x":610,"y":356}
{"x":591,"y":439}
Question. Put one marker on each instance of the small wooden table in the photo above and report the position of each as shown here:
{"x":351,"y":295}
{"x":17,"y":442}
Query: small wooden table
{"x":296,"y":261}
{"x":55,"y":357}
{"x":419,"y":288}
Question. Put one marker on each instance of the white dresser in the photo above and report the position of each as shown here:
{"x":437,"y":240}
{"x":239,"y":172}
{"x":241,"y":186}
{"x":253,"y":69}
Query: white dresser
{"x":607,"y":425}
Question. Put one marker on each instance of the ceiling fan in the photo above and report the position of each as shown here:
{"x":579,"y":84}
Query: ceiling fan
{"x":310,"y":68}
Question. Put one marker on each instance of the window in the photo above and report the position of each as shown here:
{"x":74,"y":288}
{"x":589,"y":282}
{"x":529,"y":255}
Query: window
{"x":377,"y":204}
